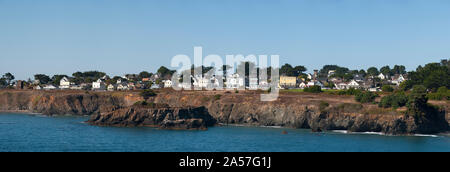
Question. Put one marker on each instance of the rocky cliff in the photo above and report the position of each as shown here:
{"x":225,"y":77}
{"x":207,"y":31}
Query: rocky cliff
{"x":165,"y":117}
{"x":290,"y":110}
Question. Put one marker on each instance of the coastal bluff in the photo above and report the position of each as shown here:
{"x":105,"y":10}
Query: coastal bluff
{"x":293,"y":110}
{"x":184,"y":118}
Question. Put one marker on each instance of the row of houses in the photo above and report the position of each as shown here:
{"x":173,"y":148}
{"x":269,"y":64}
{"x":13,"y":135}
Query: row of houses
{"x":98,"y":85}
{"x":358,"y":82}
{"x":232,"y":81}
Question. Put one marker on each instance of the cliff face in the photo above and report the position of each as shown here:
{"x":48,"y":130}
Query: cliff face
{"x":165,"y":118}
{"x":57,"y":103}
{"x":295,"y":111}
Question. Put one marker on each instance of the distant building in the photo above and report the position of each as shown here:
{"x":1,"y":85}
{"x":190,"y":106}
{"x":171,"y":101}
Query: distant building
{"x":398,"y":79}
{"x":98,"y":85}
{"x":314,"y":83}
{"x":38,"y":87}
{"x":302,"y":85}
{"x":123,"y":86}
{"x":288,"y":81}
{"x":331,"y":72}
{"x":167,"y":83}
{"x":351,"y":84}
{"x":64,"y":83}
{"x":381,"y":76}
{"x":234,"y":81}
{"x":111,"y":87}
{"x":50,"y":87}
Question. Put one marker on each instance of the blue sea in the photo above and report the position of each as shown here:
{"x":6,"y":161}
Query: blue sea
{"x":38,"y":133}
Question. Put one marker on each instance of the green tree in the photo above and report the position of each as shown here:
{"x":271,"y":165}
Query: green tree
{"x":8,"y":77}
{"x":398,"y":69}
{"x":144,"y":74}
{"x":437,"y":79}
{"x":372,"y":71}
{"x":339,"y":71}
{"x":386,"y":70}
{"x":406,"y":85}
{"x":147,"y":93}
{"x":3,"y":82}
{"x":57,"y":78}
{"x":313,"y":89}
{"x":43,"y":79}
{"x":362,"y":72}
{"x":165,"y":72}
{"x":394,"y":100}
{"x":287,"y":70}
{"x":387,"y":88}
{"x":365,"y":97}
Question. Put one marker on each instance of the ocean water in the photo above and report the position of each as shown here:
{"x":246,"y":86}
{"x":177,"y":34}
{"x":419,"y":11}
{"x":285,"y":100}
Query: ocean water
{"x":37,"y":133}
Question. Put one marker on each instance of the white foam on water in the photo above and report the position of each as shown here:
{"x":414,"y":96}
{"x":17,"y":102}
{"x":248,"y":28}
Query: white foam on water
{"x":340,"y":131}
{"x":425,"y":135}
{"x":375,"y":133}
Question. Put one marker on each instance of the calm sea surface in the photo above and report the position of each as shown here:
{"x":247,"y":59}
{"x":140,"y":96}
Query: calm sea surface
{"x":20,"y":132}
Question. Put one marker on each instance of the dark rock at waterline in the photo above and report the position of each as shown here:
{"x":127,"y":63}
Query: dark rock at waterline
{"x":164,"y":118}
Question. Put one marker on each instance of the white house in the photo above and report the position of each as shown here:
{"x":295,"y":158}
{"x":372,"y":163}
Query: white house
{"x":167,"y":83}
{"x":382,"y":76}
{"x":64,"y":83}
{"x":398,"y":79}
{"x":111,"y":87}
{"x":98,"y":85}
{"x":353,"y":84}
{"x":155,"y":86}
{"x":309,"y":76}
{"x":206,"y":82}
{"x":313,"y":83}
{"x":264,"y":85}
{"x":234,"y":81}
{"x":302,"y":85}
{"x":123,"y":86}
{"x":341,"y":86}
{"x":374,"y":89}
{"x":253,"y":83}
{"x":50,"y":87}
{"x":331,"y":72}
{"x":38,"y":87}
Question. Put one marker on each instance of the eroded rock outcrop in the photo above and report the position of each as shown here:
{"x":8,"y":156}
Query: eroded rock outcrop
{"x":185,"y":118}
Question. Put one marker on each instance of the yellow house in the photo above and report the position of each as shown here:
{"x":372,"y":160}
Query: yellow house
{"x":288,"y":81}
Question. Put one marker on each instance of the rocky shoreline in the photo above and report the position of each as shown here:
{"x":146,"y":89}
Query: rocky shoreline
{"x":163,"y":118}
{"x":184,"y":108}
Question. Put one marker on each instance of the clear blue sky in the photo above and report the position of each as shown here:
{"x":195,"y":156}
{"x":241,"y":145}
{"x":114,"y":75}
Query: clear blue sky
{"x":119,"y":36}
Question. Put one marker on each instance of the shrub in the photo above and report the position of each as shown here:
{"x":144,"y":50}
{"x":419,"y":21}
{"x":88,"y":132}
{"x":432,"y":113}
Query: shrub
{"x":419,"y":89}
{"x":146,"y":94}
{"x":217,"y":97}
{"x":387,"y":88}
{"x":441,"y":94}
{"x":417,"y":104}
{"x":313,"y":89}
{"x":406,"y":85}
{"x":394,"y":100}
{"x":365,"y":97}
